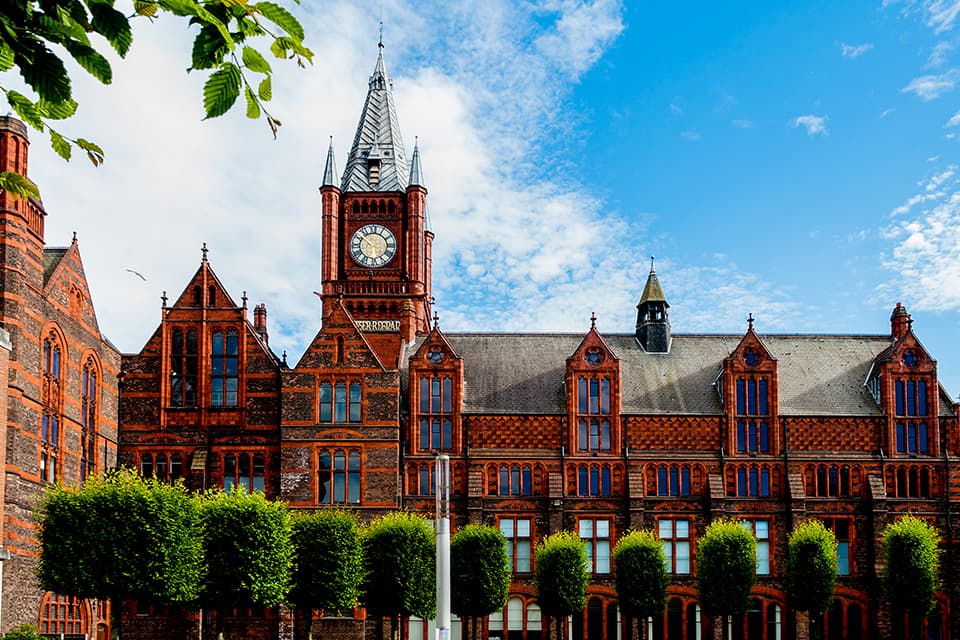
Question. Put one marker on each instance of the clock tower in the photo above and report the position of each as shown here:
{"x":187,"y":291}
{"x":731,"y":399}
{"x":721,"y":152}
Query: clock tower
{"x":376,"y":248}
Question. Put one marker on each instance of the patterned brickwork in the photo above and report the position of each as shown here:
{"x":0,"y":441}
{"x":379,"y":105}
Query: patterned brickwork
{"x":516,"y":432}
{"x":686,"y":433}
{"x":862,"y":435}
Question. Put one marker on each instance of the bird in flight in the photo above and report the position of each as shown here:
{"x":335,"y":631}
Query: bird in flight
{"x":138,"y":274}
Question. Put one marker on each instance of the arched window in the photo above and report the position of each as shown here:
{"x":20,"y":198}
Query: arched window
{"x":753,"y":414}
{"x":63,"y":615}
{"x":183,"y":368}
{"x":593,"y":411}
{"x":225,"y":369}
{"x":89,"y":394}
{"x":436,"y":409}
{"x":52,"y":402}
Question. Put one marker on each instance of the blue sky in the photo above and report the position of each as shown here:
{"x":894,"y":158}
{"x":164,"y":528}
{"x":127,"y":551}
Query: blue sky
{"x":796,"y":161}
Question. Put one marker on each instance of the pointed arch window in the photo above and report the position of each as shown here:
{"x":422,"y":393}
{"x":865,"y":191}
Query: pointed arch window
{"x":753,"y":415}
{"x":225,"y":369}
{"x":593,"y":413}
{"x":51,"y":400}
{"x":436,"y":409}
{"x":89,"y":394}
{"x":910,"y":406}
{"x":183,"y":368}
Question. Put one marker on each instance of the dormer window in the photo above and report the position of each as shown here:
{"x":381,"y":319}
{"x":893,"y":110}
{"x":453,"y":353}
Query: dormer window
{"x":910,"y":406}
{"x":753,"y":427}
{"x":593,"y":413}
{"x":373,"y":172}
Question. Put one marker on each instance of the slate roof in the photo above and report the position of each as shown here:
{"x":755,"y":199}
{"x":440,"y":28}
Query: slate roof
{"x":51,"y":258}
{"x":819,"y":375}
{"x":378,"y":135}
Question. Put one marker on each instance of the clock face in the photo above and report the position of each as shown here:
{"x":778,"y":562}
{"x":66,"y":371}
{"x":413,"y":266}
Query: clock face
{"x":373,"y":245}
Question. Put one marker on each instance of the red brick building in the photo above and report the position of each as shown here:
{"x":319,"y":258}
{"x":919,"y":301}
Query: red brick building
{"x":60,"y":406}
{"x":595,"y":432}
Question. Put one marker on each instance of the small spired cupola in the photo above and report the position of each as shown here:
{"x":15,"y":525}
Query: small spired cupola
{"x":653,"y":321}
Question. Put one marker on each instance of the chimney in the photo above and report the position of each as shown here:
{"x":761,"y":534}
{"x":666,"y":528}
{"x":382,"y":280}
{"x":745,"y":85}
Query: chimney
{"x":260,"y":322}
{"x":899,"y":322}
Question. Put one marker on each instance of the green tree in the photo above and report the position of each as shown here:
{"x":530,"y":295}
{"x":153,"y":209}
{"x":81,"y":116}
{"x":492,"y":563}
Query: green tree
{"x":120,"y":537}
{"x":328,"y":564}
{"x":479,"y":573}
{"x":811,"y":567}
{"x":726,"y":568}
{"x":640,"y":574}
{"x":400,"y":569}
{"x":23,"y":632}
{"x":248,"y":548}
{"x":225,"y":46}
{"x":561,"y":576}
{"x":911,"y":549}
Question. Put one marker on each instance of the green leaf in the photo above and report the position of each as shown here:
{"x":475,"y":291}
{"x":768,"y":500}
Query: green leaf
{"x":46,"y":74}
{"x":60,"y":144}
{"x":280,"y":17}
{"x":254,"y":61}
{"x":94,"y":152}
{"x":221,"y":90}
{"x":18,"y":186}
{"x":26,"y":109}
{"x":209,"y":49}
{"x":265,"y":90}
{"x":61,"y":26}
{"x":146,"y":8}
{"x":57,"y":110}
{"x":112,"y":25}
{"x":6,"y":57}
{"x":180,"y":7}
{"x":253,"y":109}
{"x":91,"y":60}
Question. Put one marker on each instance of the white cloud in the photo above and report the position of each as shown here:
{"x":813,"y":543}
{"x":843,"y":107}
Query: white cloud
{"x":954,"y":120}
{"x":941,"y":14}
{"x":886,"y":112}
{"x":854,"y":51}
{"x":925,"y":259}
{"x":815,"y":125}
{"x":931,"y":87}
{"x":938,"y":55}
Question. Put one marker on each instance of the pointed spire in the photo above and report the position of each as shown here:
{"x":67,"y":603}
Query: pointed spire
{"x":416,"y":173}
{"x":652,"y":292}
{"x":377,"y":140}
{"x":330,"y":170}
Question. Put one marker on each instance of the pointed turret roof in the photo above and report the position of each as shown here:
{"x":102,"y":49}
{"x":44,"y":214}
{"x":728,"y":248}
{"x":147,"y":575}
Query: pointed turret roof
{"x":652,"y":291}
{"x":416,"y":173}
{"x":378,"y":136}
{"x":330,"y":170}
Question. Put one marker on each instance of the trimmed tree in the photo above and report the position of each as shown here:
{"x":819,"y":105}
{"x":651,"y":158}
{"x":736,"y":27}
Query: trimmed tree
{"x":561,"y":576}
{"x":726,"y":568}
{"x":328,"y":565}
{"x":479,"y":574}
{"x":641,"y":577}
{"x":120,"y":537}
{"x":248,"y":550}
{"x":811,"y":568}
{"x":911,"y":548}
{"x":400,"y":569}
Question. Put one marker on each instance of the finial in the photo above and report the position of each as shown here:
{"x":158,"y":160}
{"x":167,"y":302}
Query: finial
{"x":284,"y":357}
{"x":204,"y":251}
{"x":651,"y":264}
{"x":244,"y":298}
{"x":436,"y":321}
{"x":164,"y":298}
{"x":593,"y":319}
{"x":750,"y":322}
{"x":380,"y":43}
{"x":74,"y":238}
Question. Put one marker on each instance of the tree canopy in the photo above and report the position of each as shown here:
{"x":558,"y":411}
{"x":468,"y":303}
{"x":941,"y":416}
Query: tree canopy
{"x":400,"y":567}
{"x":561,"y":574}
{"x":640,"y":575}
{"x":328,"y":565}
{"x":911,"y":548}
{"x":479,"y":572}
{"x":726,"y":567}
{"x":811,"y":566}
{"x":33,"y":32}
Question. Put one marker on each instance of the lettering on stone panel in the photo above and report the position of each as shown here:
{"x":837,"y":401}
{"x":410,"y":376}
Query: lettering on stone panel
{"x":378,"y":326}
